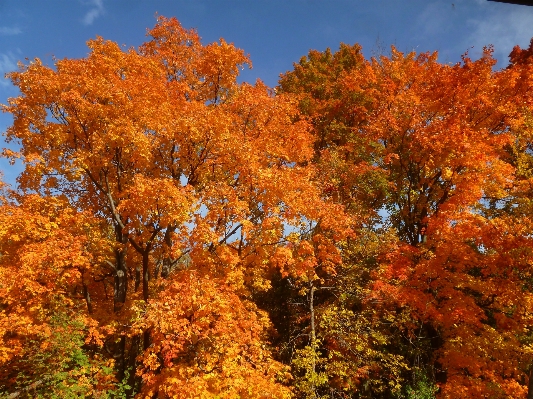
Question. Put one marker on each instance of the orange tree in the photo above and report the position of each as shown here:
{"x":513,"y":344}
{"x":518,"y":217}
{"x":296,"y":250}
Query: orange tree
{"x":51,"y":254}
{"x":202,"y":188}
{"x":170,"y":220}
{"x":425,"y":146}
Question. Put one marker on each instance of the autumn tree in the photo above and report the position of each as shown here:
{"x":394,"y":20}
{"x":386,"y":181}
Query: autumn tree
{"x":194,"y":178}
{"x":432,"y":140}
{"x":50,"y":256}
{"x":516,"y":206}
{"x":361,"y":231}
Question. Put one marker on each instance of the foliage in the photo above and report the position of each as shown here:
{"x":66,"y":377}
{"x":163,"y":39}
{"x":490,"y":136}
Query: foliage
{"x":423,"y":389}
{"x":172,"y":159}
{"x":56,"y":365}
{"x":433,"y":140}
{"x":361,"y":231}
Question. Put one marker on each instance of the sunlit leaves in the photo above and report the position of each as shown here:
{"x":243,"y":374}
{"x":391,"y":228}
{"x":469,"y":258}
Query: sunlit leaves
{"x":363,"y":230}
{"x":423,"y":147}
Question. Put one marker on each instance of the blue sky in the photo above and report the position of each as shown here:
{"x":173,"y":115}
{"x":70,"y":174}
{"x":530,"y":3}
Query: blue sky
{"x":275,"y":33}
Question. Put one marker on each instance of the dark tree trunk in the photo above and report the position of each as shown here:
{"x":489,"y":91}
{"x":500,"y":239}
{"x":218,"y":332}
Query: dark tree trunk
{"x":146,"y":273}
{"x":87,"y":298}
{"x":165,"y":268}
{"x":146,"y":339}
{"x":121,"y":280}
{"x":120,"y":356}
{"x":137,"y":278}
{"x":134,"y":380}
{"x":313,"y":333}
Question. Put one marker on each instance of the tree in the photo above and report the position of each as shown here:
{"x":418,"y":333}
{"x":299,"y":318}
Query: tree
{"x":50,"y":254}
{"x":178,"y":162}
{"x":431,"y":140}
{"x":362,"y":231}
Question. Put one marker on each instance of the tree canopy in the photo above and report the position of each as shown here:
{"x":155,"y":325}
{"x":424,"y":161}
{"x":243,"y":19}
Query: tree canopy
{"x":363,"y":230}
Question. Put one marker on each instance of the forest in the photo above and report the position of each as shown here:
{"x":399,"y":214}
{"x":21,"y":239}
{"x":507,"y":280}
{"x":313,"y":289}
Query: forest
{"x":362,"y":230}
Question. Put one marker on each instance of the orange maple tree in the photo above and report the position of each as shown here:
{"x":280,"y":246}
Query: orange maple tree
{"x":426,"y":145}
{"x":361,"y":231}
{"x":50,"y":256}
{"x":199,"y":182}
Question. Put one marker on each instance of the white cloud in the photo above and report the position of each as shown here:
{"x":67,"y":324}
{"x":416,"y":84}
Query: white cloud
{"x":434,"y":19}
{"x":6,"y":30}
{"x":8,"y":63}
{"x":503,"y":29}
{"x":97,"y":9}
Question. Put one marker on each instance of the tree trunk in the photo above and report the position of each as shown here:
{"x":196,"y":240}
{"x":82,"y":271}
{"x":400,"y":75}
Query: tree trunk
{"x":313,"y":332}
{"x":146,"y":339}
{"x":137,"y":278}
{"x":165,"y":268}
{"x":121,"y":280}
{"x":87,"y":298}
{"x":133,"y":379}
{"x":146,"y":273}
{"x":120,"y":356}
